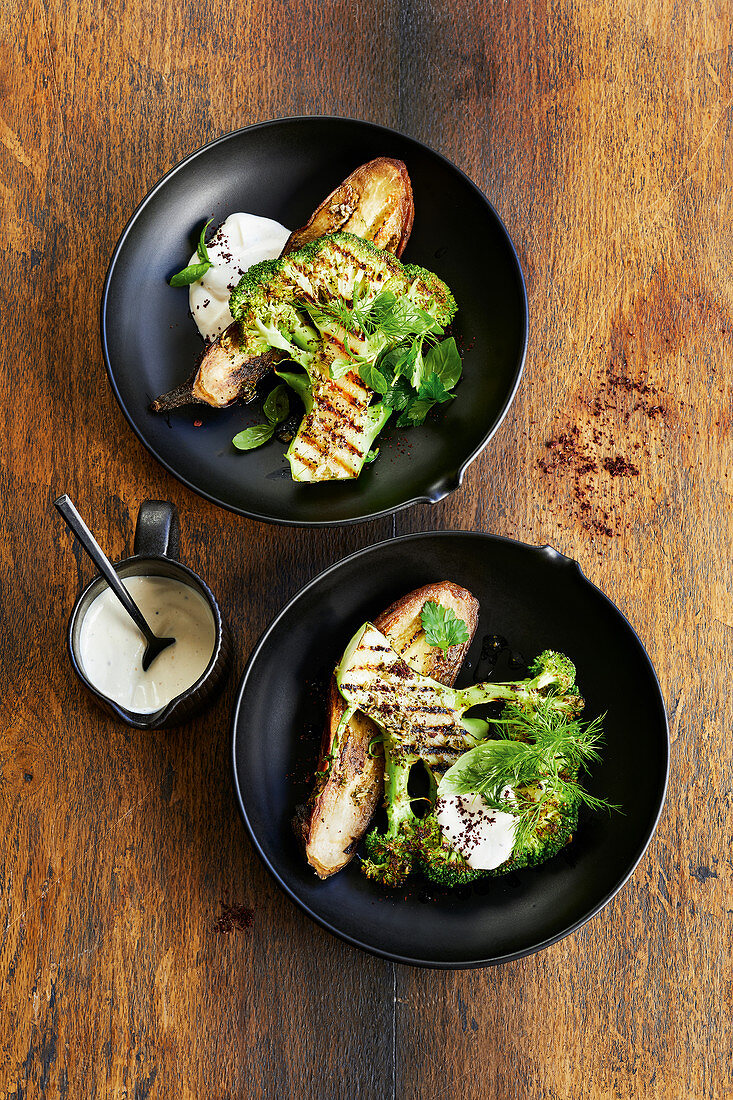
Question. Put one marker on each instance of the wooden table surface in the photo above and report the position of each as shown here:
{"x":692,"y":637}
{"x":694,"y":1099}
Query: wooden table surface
{"x":599,"y":131}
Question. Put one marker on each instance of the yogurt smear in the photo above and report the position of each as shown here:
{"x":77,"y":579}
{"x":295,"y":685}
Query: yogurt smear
{"x":241,"y":241}
{"x":484,"y":837}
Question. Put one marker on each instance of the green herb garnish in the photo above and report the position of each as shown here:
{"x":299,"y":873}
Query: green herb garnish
{"x":400,"y":359}
{"x":276,"y":409}
{"x":442,"y":626}
{"x":194,"y":272}
{"x":538,"y":758}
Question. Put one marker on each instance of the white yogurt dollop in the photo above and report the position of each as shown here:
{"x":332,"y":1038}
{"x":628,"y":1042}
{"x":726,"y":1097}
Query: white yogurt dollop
{"x":111,"y":647}
{"x":241,"y":241}
{"x":484,"y":837}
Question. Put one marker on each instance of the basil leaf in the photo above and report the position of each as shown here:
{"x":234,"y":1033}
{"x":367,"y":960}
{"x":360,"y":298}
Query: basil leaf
{"x":371,"y":376}
{"x":300,"y":384}
{"x":253,"y":437}
{"x":444,"y":360}
{"x":276,"y":406}
{"x":201,"y":252}
{"x":190,"y":274}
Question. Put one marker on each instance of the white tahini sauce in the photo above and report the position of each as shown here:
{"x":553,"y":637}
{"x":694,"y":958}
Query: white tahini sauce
{"x":484,"y":837}
{"x":111,"y":647}
{"x":241,"y":241}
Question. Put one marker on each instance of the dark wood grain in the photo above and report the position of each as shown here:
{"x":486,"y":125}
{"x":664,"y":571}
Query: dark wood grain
{"x":599,"y":132}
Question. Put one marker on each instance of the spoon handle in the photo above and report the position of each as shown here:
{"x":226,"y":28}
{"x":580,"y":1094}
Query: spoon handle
{"x":79,"y":528}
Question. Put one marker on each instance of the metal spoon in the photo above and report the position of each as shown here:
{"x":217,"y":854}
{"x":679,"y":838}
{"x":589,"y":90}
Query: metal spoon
{"x":78,"y":527}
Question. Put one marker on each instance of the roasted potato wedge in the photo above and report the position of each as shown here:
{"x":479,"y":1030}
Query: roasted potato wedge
{"x":343,"y":803}
{"x":374,"y":202}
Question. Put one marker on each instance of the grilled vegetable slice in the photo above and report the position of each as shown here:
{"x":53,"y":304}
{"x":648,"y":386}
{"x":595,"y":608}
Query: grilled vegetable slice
{"x":351,"y":781}
{"x":335,"y":437}
{"x":374,"y":202}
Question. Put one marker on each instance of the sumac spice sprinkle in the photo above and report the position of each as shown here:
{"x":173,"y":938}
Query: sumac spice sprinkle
{"x":233,"y":917}
{"x":620,"y":467}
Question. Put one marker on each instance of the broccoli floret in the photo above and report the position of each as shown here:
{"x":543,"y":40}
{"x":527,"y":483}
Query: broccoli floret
{"x":437,"y":861}
{"x":553,"y":670}
{"x":552,"y":832}
{"x":328,"y":268}
{"x":392,"y":853}
{"x":391,"y":859}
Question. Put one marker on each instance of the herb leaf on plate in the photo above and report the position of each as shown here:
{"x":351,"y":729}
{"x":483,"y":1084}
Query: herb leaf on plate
{"x":253,"y":437}
{"x":194,"y":272}
{"x":276,"y":408}
{"x":442,"y":626}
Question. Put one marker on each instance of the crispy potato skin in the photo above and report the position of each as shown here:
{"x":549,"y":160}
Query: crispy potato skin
{"x":343,"y":805}
{"x":374,"y":202}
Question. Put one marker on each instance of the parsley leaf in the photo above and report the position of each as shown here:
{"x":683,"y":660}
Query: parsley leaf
{"x":415,"y":413}
{"x":432,"y":389}
{"x":442,"y":627}
{"x":398,"y":395}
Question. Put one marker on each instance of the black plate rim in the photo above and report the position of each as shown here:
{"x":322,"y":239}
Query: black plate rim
{"x":354,"y":941}
{"x":451,"y":480}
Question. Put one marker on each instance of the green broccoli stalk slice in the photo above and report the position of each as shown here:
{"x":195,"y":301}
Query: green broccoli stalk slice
{"x":391,"y":854}
{"x":424,"y":714}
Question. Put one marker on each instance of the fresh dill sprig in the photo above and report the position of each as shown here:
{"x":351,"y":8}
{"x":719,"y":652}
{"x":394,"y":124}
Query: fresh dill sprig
{"x":532,"y":768}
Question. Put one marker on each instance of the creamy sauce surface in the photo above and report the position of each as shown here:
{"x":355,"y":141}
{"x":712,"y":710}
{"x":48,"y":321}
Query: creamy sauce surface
{"x":111,"y":647}
{"x":484,"y":837}
{"x":241,"y":241}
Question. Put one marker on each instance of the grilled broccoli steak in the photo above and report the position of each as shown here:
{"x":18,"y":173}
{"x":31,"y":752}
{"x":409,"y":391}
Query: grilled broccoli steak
{"x":323,"y":270}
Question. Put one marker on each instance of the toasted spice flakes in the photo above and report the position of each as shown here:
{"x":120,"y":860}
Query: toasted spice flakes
{"x":233,"y":917}
{"x":577,"y":455}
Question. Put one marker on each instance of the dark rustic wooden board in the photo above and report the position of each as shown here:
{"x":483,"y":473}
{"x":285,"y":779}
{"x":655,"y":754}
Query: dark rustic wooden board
{"x":599,"y":132}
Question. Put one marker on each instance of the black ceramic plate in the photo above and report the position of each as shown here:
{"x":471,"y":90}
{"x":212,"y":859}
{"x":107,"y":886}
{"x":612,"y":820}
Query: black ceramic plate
{"x":536,"y":599}
{"x":282,"y":170}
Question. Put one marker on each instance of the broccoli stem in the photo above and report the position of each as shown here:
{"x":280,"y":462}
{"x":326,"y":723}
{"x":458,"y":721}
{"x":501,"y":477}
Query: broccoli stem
{"x":396,"y":797}
{"x":485,"y":693}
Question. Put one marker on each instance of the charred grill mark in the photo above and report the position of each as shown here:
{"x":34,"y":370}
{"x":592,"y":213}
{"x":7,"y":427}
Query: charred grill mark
{"x":327,"y":406}
{"x":427,"y":710}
